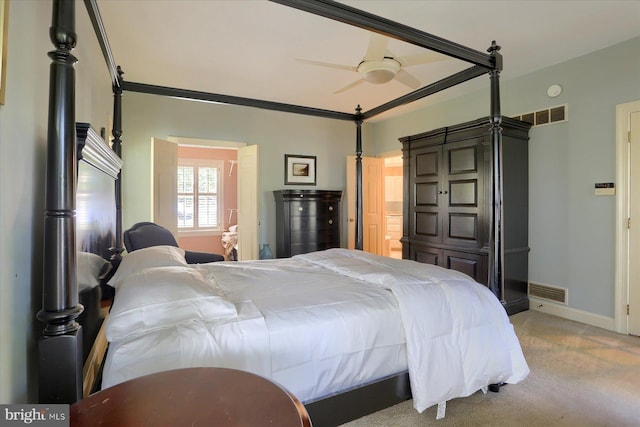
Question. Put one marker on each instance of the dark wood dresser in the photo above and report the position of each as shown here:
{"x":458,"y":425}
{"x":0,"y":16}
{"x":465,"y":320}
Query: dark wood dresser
{"x":307,"y":221}
{"x":448,"y":208}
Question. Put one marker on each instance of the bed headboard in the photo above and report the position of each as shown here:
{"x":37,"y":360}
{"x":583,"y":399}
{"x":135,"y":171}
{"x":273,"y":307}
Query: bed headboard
{"x":96,"y":230}
{"x":98,"y":168}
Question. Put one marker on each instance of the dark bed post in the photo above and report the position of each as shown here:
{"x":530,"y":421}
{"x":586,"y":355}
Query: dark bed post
{"x":496,"y":276}
{"x":118,"y":247}
{"x":359,"y":241}
{"x":60,"y":346}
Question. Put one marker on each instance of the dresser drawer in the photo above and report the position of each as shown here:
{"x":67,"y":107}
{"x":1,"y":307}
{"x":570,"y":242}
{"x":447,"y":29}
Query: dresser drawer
{"x":327,"y":236}
{"x":311,"y":208}
{"x":313,"y":223}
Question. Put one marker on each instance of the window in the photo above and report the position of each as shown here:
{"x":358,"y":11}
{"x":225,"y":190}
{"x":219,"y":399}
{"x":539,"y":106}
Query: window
{"x":200,"y":195}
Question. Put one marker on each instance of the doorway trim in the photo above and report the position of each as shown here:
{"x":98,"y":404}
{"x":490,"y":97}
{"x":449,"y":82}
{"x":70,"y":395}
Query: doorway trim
{"x":623,"y":112}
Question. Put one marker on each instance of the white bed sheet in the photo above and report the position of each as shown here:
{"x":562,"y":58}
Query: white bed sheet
{"x":341,"y":324}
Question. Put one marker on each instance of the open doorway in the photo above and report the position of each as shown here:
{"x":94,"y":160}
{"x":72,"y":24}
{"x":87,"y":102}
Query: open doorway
{"x":382,"y":192}
{"x":393,"y":189}
{"x":241,"y":209}
{"x":208,"y":199}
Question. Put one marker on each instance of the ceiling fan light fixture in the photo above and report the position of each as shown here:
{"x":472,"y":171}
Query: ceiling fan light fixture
{"x":379,"y":72}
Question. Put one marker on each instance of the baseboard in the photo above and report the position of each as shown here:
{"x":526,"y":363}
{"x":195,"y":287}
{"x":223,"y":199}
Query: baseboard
{"x":563,"y":311}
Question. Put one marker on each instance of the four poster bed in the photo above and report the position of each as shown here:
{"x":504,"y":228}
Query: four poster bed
{"x":428,"y":324}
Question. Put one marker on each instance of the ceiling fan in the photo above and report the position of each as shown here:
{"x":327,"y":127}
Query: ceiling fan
{"x":380,"y":66}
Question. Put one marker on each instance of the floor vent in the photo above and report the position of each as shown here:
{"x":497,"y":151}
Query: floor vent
{"x":551,"y":293}
{"x":546,"y":116}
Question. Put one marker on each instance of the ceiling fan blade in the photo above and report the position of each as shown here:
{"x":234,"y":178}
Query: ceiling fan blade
{"x":419,"y":58}
{"x":407,"y":79}
{"x":349,"y":86}
{"x":327,"y":64}
{"x":377,"y":48}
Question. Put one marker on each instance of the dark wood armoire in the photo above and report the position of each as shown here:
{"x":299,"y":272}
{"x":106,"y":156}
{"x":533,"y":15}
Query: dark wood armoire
{"x":307,"y":221}
{"x":448,"y":202}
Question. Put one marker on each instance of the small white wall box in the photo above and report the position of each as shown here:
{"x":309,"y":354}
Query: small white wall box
{"x":605,"y":189}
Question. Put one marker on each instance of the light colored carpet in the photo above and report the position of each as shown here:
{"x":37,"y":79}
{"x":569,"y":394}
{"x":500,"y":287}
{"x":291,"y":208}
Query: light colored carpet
{"x":580,"y":376}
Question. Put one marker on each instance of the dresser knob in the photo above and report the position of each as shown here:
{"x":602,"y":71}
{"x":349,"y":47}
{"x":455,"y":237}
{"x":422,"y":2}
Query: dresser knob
{"x":330,"y":208}
{"x":300,"y":209}
{"x":330,"y":221}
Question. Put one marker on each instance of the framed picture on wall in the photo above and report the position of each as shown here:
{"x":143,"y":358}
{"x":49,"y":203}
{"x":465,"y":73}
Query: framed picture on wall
{"x":299,"y":170}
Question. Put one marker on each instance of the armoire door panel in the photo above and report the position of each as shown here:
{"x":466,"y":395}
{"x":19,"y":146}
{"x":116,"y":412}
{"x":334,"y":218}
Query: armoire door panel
{"x":474,"y":265}
{"x":463,"y":193}
{"x":426,"y":255}
{"x":427,"y":224}
{"x":463,"y":226}
{"x":463,"y":160}
{"x":427,"y":194}
{"x":463,"y":265}
{"x":427,"y":164}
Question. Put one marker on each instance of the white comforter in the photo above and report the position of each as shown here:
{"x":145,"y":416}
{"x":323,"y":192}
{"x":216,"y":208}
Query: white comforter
{"x":459,"y":338}
{"x":328,"y":321}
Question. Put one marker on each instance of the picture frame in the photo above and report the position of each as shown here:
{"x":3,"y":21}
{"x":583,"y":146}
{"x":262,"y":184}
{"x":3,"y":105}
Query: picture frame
{"x":299,"y":170}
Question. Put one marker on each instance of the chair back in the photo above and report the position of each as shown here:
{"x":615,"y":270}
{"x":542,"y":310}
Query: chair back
{"x":146,"y":234}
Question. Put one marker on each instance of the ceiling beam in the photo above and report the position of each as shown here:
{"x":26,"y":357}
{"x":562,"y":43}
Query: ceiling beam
{"x":234,"y":100}
{"x":359,"y":18}
{"x":440,"y":85}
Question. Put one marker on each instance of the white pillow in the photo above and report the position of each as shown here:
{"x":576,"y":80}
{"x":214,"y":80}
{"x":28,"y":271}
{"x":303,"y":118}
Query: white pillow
{"x":161,"y":297}
{"x":91,"y":268}
{"x":154,"y":256}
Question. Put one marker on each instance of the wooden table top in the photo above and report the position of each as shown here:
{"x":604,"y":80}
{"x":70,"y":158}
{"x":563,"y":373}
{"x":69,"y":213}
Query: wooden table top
{"x":192,"y":397}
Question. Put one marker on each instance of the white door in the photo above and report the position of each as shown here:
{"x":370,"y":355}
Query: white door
{"x":165,"y":184}
{"x":634,"y":230}
{"x":248,"y":203}
{"x":372,"y":204}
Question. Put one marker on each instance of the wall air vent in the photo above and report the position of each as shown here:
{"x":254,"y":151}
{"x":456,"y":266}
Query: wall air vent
{"x":550,"y":293}
{"x":546,"y":116}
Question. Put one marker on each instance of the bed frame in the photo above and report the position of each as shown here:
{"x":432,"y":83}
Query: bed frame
{"x":61,"y":363}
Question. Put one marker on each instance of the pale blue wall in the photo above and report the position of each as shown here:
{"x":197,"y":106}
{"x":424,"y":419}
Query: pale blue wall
{"x":571,"y":231}
{"x":276,"y":134}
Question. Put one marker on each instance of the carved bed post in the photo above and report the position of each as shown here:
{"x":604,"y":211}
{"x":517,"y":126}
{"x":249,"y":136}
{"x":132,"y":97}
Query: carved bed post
{"x":60,"y":346}
{"x":118,"y":248}
{"x":496,"y":276}
{"x":359,"y":239}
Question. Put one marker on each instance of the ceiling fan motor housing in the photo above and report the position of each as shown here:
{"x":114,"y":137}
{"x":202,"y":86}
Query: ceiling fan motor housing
{"x":379,"y":72}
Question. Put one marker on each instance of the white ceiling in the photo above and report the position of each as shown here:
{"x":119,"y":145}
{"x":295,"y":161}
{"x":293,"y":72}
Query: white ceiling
{"x":250,"y":48}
